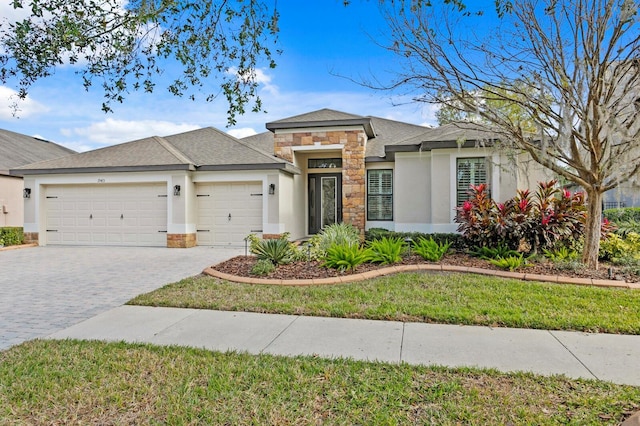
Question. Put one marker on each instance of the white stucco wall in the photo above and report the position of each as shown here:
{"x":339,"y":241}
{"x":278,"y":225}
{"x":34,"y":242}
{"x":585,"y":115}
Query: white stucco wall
{"x":530,"y":173}
{"x":11,"y":201}
{"x":181,"y":210}
{"x":291,"y":215}
{"x":413,"y":203}
{"x":425,"y":186}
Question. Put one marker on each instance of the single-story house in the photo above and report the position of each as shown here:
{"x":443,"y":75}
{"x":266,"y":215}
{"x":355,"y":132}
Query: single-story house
{"x":205,"y":187}
{"x":18,"y":150}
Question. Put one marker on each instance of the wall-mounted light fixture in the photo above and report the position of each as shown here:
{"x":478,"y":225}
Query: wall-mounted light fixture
{"x":26,"y":193}
{"x":176,"y":190}
{"x":272,"y":188}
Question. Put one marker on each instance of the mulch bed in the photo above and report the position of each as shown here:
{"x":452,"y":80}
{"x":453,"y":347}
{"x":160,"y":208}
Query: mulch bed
{"x":241,"y":266}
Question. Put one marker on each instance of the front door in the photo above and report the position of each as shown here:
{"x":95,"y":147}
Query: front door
{"x":325,"y":200}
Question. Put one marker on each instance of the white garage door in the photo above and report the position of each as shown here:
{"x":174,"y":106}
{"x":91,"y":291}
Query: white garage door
{"x":228,"y":212}
{"x":127,"y":215}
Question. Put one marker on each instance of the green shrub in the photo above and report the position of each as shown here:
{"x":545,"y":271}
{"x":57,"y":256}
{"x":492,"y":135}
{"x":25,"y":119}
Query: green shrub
{"x":299,"y":253}
{"x":616,"y":247}
{"x":386,"y":250}
{"x":262,"y":267}
{"x":334,"y":234}
{"x":510,"y":262}
{"x":278,"y":251}
{"x":377,"y":234}
{"x":345,"y":257}
{"x":456,"y":240}
{"x":488,"y":253}
{"x":11,"y":236}
{"x":562,"y":254}
{"x":624,"y":214}
{"x":626,"y":227}
{"x":429,"y":249}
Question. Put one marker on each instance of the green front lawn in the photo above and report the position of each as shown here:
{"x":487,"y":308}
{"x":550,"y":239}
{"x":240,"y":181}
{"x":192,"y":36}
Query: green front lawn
{"x":423,"y":297}
{"x":71,"y":382}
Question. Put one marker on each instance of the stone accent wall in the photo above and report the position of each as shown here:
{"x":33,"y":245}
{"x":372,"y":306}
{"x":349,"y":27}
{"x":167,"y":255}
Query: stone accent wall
{"x":353,"y":181}
{"x":353,"y":167}
{"x":181,"y":240}
{"x":31,"y":238}
{"x":271,"y":236}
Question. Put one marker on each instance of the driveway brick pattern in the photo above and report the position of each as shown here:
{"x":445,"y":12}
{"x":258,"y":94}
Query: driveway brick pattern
{"x":47,"y":289}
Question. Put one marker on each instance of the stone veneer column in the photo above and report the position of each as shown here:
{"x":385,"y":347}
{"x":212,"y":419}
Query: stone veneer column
{"x":181,"y":240}
{"x":353,"y":180}
{"x":31,"y":238}
{"x":353,"y":167}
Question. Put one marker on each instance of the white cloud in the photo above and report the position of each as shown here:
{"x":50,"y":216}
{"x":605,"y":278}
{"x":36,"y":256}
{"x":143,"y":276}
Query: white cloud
{"x":242,"y":132}
{"x":9,"y":101}
{"x":10,"y":14}
{"x":260,"y":76}
{"x":110,"y":131}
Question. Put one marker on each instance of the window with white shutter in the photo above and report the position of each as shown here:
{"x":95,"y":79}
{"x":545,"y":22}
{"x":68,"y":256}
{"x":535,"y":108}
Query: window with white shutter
{"x":379,"y":194}
{"x":470,"y":171}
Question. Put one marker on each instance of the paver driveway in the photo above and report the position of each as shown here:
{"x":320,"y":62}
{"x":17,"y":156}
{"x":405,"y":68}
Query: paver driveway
{"x":46,"y":289}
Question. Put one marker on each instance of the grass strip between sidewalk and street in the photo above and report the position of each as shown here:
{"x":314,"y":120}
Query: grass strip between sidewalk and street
{"x":81,"y":382}
{"x":449,"y":298}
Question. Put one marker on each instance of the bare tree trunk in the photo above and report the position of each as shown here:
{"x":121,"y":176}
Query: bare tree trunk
{"x":592,"y":229}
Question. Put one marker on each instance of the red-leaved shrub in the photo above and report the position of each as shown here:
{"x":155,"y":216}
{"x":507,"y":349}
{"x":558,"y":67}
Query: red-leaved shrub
{"x":548,"y":219}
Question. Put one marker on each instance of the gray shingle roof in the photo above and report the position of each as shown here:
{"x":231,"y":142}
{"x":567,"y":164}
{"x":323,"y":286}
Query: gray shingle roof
{"x":151,"y":151}
{"x":323,"y":118}
{"x":262,"y":141}
{"x":458,"y":132}
{"x":452,"y":135}
{"x":391,"y":132}
{"x":206,"y":148}
{"x":319,"y":115}
{"x":383,"y":131}
{"x":212,"y":147}
{"x":18,"y":150}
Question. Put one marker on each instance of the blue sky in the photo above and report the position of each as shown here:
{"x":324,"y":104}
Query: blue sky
{"x":320,"y":39}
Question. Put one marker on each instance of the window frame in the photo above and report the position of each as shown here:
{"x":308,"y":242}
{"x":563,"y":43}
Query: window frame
{"x":462,"y":193}
{"x":382,"y":198}
{"x":329,"y":163}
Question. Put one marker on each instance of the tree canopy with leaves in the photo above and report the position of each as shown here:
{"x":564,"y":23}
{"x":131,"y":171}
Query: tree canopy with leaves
{"x":559,"y":79}
{"x":200,"y":48}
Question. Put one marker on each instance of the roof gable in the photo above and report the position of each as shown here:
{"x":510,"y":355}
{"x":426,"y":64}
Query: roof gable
{"x":323,"y":118}
{"x":324,"y":114}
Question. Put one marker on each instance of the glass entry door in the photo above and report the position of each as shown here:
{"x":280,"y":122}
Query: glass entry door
{"x":325,"y":200}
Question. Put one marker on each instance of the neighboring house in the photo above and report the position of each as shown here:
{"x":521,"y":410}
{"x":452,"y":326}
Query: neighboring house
{"x":205,"y":187}
{"x":18,"y":150}
{"x":625,"y":195}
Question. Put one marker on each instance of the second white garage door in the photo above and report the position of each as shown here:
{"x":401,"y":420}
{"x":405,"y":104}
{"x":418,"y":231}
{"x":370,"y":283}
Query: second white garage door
{"x":228,"y":212}
{"x":130,"y":215}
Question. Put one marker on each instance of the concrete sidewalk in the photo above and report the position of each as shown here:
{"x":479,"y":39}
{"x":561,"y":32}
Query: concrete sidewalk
{"x":606,"y":357}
